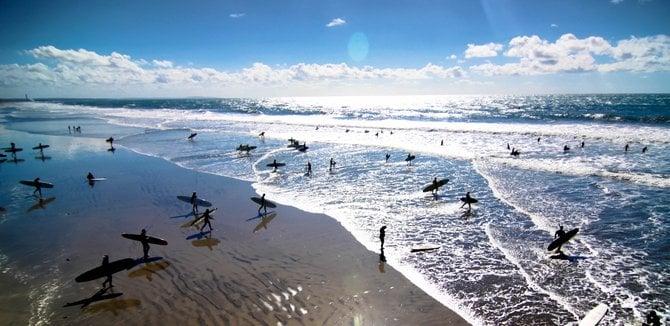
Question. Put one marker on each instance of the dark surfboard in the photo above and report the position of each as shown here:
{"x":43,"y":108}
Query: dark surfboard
{"x":138,"y":237}
{"x":32,"y":184}
{"x":41,"y":147}
{"x":198,"y":201}
{"x":104,"y":270}
{"x":275,"y":165}
{"x":268,"y":204}
{"x":554,"y":244}
{"x":471,"y":201}
{"x":432,"y":186}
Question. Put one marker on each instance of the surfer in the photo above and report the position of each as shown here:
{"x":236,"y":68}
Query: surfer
{"x":90,"y":176}
{"x":309,"y":168}
{"x":192,"y":136}
{"x":262,"y":134}
{"x":644,"y":150}
{"x":262,"y":206}
{"x":38,"y":187}
{"x":206,"y":217}
{"x":194,"y":202}
{"x":110,"y":140}
{"x":566,"y":148}
{"x":435,"y":186}
{"x":625,"y":148}
{"x":582,"y":144}
{"x":145,"y":244}
{"x":468,"y":200}
{"x":409,"y":159}
{"x":559,"y":234}
{"x":332,"y":164}
{"x":105,"y":261}
{"x":382,"y":235}
{"x":274,"y":165}
{"x":388,"y":156}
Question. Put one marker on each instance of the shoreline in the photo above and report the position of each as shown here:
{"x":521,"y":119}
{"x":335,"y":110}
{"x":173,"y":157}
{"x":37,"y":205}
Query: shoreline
{"x":302,"y":268}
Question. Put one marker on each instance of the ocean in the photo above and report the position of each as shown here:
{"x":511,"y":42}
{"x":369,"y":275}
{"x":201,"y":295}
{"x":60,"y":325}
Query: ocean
{"x":492,"y":266}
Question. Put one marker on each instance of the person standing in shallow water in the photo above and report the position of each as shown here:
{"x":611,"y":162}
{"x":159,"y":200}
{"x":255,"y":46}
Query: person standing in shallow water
{"x":263,"y":205}
{"x":559,"y":234}
{"x":382,"y":235}
{"x":38,"y":187}
{"x":145,"y":244}
{"x":194,"y":200}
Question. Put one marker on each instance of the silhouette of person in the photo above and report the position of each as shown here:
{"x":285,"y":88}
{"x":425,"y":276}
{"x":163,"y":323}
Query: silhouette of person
{"x":652,"y":319}
{"x":435,"y":186}
{"x":145,"y":244}
{"x":110,"y":140}
{"x":262,"y":205}
{"x":566,"y":148}
{"x":559,"y":234}
{"x":262,"y":134}
{"x":442,"y":142}
{"x":90,"y":176}
{"x":108,"y":279}
{"x":332,"y":164}
{"x":382,"y":235}
{"x":468,"y":201}
{"x":309,"y":168}
{"x":388,"y":156}
{"x":207,"y":219}
{"x":194,"y":202}
{"x":625,"y":148}
{"x":644,"y":150}
{"x":38,"y":187}
{"x":582,"y":144}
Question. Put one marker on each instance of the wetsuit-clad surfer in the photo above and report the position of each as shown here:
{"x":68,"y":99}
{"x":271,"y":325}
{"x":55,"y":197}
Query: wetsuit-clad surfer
{"x":435,"y":186}
{"x":468,"y":201}
{"x":262,"y":205}
{"x":194,"y":202}
{"x":332,"y":164}
{"x":105,"y":261}
{"x":382,"y":235}
{"x":38,"y":187}
{"x":559,"y":234}
{"x":90,"y":176}
{"x":207,"y":219}
{"x":388,"y":156}
{"x":309,"y":168}
{"x":145,"y":244}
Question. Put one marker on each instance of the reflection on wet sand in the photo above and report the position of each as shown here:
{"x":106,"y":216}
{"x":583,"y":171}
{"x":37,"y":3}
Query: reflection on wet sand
{"x":265,"y":220}
{"x":149,"y":269}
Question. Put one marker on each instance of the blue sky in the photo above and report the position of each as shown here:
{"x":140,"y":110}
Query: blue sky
{"x":304,"y":48}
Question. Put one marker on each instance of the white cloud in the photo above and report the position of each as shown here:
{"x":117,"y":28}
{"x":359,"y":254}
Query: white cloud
{"x":237,"y":15}
{"x":162,"y":63}
{"x":453,"y":57}
{"x":483,"y":51}
{"x":336,"y":22}
{"x":591,"y":54}
{"x":553,"y":25}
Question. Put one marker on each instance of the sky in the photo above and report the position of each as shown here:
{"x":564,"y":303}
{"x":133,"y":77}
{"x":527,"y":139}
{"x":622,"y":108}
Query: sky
{"x":217,"y":48}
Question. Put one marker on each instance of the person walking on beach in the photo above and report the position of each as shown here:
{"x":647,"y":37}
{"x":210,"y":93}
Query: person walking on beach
{"x":38,"y":187}
{"x":145,"y":244}
{"x":108,"y":279}
{"x":194,"y":202}
{"x":263,"y":206}
{"x":207,"y":219}
{"x":382,"y":235}
{"x":559,"y":234}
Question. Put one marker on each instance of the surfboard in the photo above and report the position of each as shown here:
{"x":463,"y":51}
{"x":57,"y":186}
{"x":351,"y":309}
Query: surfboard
{"x":198,"y":201}
{"x":594,"y":316}
{"x":192,"y":135}
{"x":102,"y":271}
{"x":554,"y":244}
{"x":41,"y":147}
{"x":432,"y":186}
{"x":472,"y":200}
{"x":424,"y":248}
{"x":13,"y":150}
{"x":96,"y":179}
{"x":410,"y":158}
{"x":32,"y":184}
{"x":268,"y":204}
{"x":245,"y":148}
{"x":275,"y":165}
{"x":150,"y":239}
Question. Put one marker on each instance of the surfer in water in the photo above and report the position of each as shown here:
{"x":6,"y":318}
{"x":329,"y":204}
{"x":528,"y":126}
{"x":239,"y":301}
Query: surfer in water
{"x":38,"y":187}
{"x":309,"y":168}
{"x":262,"y":206}
{"x":435,"y":185}
{"x":559,"y":234}
{"x":332,"y":164}
{"x":90,"y":176}
{"x":207,"y":219}
{"x":468,"y":201}
{"x":194,"y":202}
{"x":145,"y":244}
{"x":382,"y":235}
{"x":388,"y":156}
{"x":105,"y":261}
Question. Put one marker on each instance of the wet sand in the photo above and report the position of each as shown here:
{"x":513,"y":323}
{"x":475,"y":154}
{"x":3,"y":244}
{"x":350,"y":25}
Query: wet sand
{"x":298,"y":268}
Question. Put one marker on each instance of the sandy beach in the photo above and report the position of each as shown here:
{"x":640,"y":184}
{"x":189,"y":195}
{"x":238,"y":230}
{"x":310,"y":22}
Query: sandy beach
{"x":297,"y":268}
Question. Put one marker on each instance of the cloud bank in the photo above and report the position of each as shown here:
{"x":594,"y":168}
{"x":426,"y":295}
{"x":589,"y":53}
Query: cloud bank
{"x":65,"y":70}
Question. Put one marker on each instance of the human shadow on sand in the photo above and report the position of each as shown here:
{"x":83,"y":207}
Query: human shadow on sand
{"x":97,"y":296}
{"x":151,"y":267}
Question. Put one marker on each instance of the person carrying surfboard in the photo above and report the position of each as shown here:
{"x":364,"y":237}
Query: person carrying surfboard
{"x":436,"y":186}
{"x":194,"y":202}
{"x":559,"y":234}
{"x":145,"y":244}
{"x":105,"y":261}
{"x":467,"y":200}
{"x":263,"y":205}
{"x":38,"y":187}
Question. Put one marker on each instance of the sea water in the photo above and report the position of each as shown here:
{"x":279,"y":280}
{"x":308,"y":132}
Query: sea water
{"x":492,"y":266}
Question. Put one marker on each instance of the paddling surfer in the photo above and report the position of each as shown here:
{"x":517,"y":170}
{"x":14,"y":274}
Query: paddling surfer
{"x":105,"y":261}
{"x":145,"y":244}
{"x":559,"y":234}
{"x":207,"y":219}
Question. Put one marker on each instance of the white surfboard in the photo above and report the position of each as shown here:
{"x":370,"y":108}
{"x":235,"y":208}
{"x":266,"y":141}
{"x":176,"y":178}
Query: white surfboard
{"x":594,"y":316}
